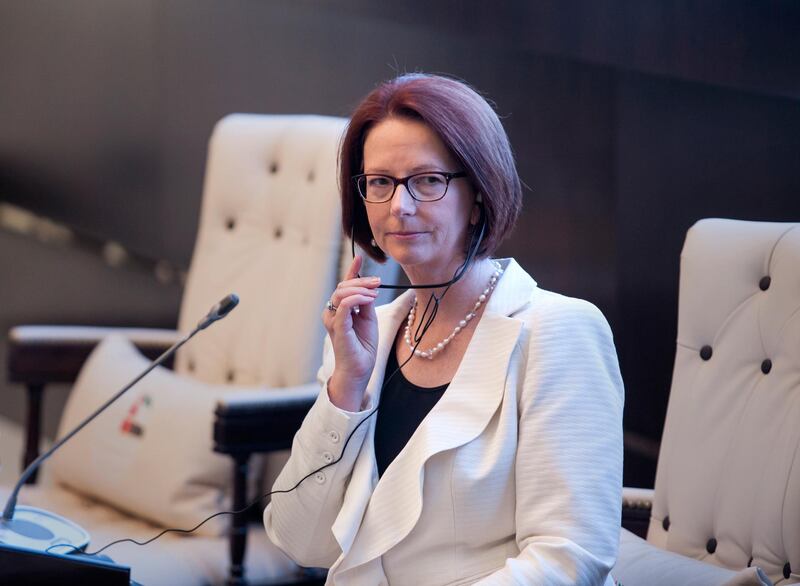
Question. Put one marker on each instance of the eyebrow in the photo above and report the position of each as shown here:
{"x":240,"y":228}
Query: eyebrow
{"x":417,"y":169}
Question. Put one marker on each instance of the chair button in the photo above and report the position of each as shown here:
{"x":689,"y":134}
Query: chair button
{"x":273,"y":168}
{"x":766,"y":366}
{"x":706,"y":352}
{"x":230,"y":223}
{"x":764,"y":283}
{"x":229,"y":376}
{"x":665,"y":523}
{"x":334,"y":436}
{"x":319,"y":478}
{"x":787,"y":571}
{"x":711,"y":546}
{"x":327,"y":456}
{"x":278,"y":232}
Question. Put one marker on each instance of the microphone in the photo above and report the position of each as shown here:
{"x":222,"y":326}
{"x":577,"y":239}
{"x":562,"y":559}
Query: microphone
{"x":220,"y":310}
{"x":39,"y":529}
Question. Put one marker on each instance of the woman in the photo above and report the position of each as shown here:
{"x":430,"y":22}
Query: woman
{"x":495,"y":456}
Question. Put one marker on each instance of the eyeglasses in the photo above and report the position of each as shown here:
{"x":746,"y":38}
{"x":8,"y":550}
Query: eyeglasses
{"x":427,"y":186}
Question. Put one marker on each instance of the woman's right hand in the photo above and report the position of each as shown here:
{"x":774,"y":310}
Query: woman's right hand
{"x":354,"y":337}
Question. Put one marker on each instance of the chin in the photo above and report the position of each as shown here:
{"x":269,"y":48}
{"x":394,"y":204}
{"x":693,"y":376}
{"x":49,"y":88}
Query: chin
{"x":407,"y":260}
{"x":410,"y":260}
{"x":408,"y":257}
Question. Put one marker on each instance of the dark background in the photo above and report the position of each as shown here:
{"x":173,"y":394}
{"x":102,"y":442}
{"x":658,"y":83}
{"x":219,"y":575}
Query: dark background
{"x":630,"y":121}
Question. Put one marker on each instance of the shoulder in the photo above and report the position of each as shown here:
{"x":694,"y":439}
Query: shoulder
{"x":554,"y":314}
{"x":568,"y":352}
{"x":545,"y":315}
{"x":562,"y":333}
{"x":548,"y":305}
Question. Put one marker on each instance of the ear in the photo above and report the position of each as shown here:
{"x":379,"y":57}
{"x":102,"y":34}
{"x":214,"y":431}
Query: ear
{"x":475,"y":215}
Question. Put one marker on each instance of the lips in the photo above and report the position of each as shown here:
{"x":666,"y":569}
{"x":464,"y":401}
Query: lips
{"x":405,"y":235}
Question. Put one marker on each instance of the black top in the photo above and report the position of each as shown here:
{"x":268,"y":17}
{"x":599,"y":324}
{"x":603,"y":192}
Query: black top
{"x":403,"y":406}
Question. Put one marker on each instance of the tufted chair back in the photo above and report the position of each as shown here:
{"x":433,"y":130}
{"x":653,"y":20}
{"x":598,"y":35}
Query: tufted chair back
{"x":728,"y":483}
{"x":270,"y":230}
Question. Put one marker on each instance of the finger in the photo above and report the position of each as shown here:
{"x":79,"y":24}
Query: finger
{"x":371,"y":282}
{"x":368,"y":312}
{"x":359,"y":282}
{"x":346,"y":292}
{"x":344,"y":307}
{"x":355,"y":266}
{"x":344,"y":311}
{"x":328,"y":317}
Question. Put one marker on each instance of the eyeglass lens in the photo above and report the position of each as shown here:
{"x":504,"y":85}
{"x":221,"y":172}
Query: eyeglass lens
{"x":425,"y":186}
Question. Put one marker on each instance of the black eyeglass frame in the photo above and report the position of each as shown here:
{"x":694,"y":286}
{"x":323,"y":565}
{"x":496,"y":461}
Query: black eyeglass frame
{"x":404,"y":182}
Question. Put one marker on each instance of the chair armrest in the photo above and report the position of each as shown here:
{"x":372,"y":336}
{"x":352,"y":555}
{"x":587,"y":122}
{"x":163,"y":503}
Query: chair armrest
{"x":53,"y":354}
{"x":246,"y":423}
{"x":642,"y":563}
{"x":38,"y":355}
{"x":636,"y":506}
{"x":637,"y":498}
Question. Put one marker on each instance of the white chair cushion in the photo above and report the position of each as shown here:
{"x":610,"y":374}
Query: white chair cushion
{"x":729,"y":469}
{"x":270,"y":231}
{"x":150,"y":453}
{"x":171,"y":560}
{"x":639,"y":563}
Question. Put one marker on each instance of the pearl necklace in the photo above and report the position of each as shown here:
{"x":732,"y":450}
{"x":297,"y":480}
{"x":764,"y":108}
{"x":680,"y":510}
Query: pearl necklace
{"x":429,"y":354}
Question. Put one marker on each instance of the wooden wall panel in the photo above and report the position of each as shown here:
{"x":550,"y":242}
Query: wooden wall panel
{"x":629,"y":122}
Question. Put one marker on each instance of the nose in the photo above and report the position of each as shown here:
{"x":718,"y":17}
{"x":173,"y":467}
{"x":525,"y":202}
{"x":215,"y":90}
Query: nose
{"x":402,"y":202}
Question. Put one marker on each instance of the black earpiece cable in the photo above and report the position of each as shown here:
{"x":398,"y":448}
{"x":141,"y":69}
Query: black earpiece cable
{"x":473,"y":249}
{"x":424,"y":324}
{"x":258,"y":499}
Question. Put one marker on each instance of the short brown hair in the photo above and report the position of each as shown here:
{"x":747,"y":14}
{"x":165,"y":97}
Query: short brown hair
{"x":469,"y":128}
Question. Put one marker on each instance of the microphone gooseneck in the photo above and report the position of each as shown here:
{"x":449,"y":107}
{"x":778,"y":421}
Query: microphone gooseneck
{"x":31,"y":530}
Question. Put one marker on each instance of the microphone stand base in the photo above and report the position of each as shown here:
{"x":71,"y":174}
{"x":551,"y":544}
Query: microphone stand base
{"x":30,"y":554}
{"x":39,"y":530}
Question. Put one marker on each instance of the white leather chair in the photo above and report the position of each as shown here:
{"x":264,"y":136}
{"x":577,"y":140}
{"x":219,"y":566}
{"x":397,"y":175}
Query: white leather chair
{"x":727,"y":490}
{"x":270,"y":230}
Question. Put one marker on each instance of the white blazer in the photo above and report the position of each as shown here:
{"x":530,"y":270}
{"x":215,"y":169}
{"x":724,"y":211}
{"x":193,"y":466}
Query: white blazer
{"x":514,"y":477}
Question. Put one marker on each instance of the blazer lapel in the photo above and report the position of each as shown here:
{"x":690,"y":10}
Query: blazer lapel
{"x":365,"y":472}
{"x":460,"y":416}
